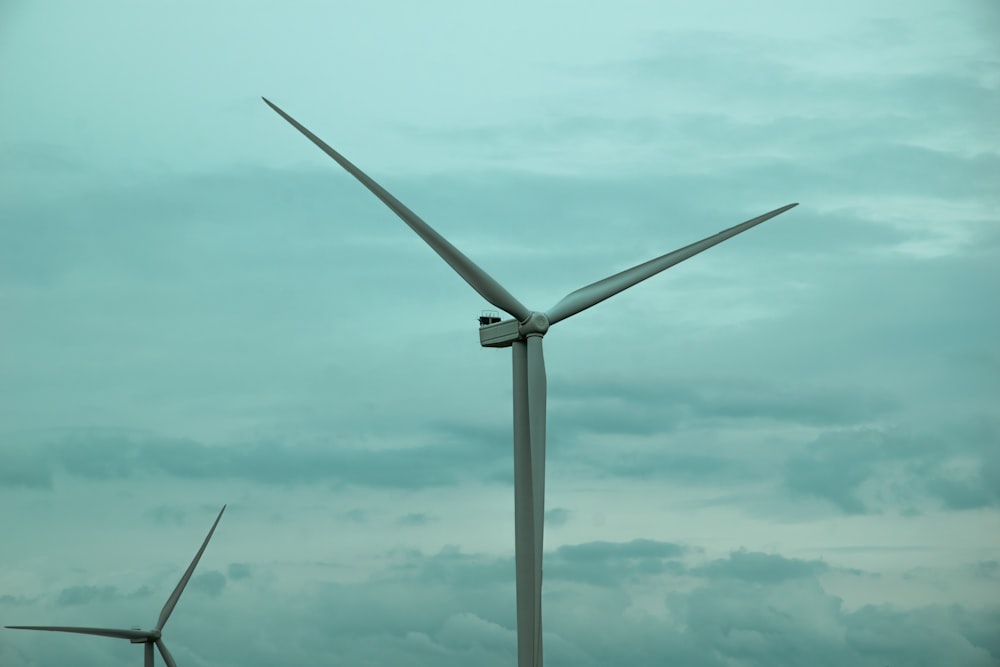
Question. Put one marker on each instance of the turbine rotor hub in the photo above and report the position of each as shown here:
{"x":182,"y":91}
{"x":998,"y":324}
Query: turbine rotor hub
{"x":536,"y":323}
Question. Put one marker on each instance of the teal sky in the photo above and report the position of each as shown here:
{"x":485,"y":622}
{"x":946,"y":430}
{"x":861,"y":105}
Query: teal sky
{"x":785,"y":451}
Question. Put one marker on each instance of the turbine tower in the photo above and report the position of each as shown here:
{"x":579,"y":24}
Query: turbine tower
{"x":523,"y":334}
{"x":136,"y":636}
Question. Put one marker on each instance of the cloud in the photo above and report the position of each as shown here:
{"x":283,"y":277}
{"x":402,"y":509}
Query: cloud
{"x":967,"y":477}
{"x":761,"y":568}
{"x":141,"y":592}
{"x":837,"y":466}
{"x":453,"y":567}
{"x":933,"y":635}
{"x":414,"y":519}
{"x":603,"y":551}
{"x":749,"y":608}
{"x":557,"y":516}
{"x":651,"y":404}
{"x":612,"y":563}
{"x":356,"y":515}
{"x":78,"y":595}
{"x":239,"y":571}
{"x":987,"y":569}
{"x":843,"y":467}
{"x":468,"y":630}
{"x":15,"y":600}
{"x":212,"y":583}
{"x":164,"y":515}
{"x":450,"y":607}
{"x":101,"y":455}
{"x":590,"y":563}
{"x":20,"y":466}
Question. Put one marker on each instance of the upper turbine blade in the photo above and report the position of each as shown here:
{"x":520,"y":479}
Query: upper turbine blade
{"x":168,"y":608}
{"x":480,"y":281}
{"x":592,"y":294}
{"x":103,"y":632}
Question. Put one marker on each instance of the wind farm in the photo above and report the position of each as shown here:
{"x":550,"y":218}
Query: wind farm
{"x":523,"y":334}
{"x":148,"y":638}
{"x":781,"y":451}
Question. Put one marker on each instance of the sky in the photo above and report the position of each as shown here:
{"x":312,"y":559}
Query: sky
{"x":784,"y":451}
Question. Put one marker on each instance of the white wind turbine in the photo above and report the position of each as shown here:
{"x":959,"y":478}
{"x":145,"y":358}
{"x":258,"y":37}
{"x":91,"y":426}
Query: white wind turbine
{"x":136,"y":636}
{"x":524,"y":335}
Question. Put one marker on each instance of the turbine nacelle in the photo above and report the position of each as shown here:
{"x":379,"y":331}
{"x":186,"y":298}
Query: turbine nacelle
{"x":505,"y":333}
{"x":500,"y":334}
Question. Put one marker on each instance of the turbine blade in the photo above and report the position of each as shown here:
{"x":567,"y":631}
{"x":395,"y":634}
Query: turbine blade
{"x":529,"y":494}
{"x":167,"y":658}
{"x":480,"y":281}
{"x":148,"y":658}
{"x":168,"y":608}
{"x":103,"y":632}
{"x":592,"y":294}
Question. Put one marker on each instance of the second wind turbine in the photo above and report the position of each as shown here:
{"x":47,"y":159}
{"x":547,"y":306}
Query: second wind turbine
{"x":523,"y":335}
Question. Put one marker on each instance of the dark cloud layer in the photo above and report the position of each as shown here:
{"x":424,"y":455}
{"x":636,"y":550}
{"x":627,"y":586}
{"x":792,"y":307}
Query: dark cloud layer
{"x":211,"y":583}
{"x":90,"y":595}
{"x":837,"y":465}
{"x":760,"y":568}
{"x":84,"y":594}
{"x":957,"y":468}
{"x":647,"y":405}
{"x":97,"y":455}
{"x":239,"y":571}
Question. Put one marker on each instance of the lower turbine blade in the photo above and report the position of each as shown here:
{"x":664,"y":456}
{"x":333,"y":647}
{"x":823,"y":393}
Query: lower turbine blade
{"x":167,"y":658}
{"x":529,"y":493}
{"x":148,"y":657}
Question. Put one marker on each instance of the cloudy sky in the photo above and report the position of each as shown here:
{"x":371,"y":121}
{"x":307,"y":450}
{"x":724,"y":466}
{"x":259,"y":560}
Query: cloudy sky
{"x":785,"y":451}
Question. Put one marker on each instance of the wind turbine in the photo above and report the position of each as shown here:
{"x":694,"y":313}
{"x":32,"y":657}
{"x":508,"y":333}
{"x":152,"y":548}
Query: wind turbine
{"x":523,"y":335}
{"x":136,"y":636}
